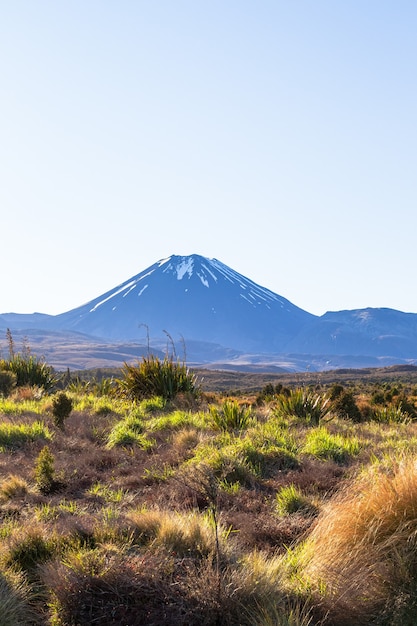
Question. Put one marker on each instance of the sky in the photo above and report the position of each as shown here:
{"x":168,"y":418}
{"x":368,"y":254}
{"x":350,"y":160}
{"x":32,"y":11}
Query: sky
{"x":279,"y":137}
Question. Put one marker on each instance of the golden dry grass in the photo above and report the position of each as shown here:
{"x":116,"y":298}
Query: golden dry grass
{"x":361,"y":556}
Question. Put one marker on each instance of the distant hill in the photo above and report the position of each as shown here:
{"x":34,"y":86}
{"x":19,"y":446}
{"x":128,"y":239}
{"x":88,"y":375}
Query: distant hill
{"x":204,"y":310}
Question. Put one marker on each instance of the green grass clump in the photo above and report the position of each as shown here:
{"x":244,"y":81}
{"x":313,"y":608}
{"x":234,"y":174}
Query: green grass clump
{"x":175,"y":420}
{"x":17,"y":435}
{"x":130,"y":431}
{"x":324,"y":445}
{"x":290,"y":499}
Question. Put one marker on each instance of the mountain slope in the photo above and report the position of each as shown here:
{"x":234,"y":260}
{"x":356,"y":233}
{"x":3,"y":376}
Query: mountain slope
{"x":194,"y":298}
{"x":371,"y":332}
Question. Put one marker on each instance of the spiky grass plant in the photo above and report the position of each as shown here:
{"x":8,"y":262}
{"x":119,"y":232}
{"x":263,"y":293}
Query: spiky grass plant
{"x":157,"y":377}
{"x":30,"y":371}
{"x":231,"y":416}
{"x":304,"y":404}
{"x":391,"y":414}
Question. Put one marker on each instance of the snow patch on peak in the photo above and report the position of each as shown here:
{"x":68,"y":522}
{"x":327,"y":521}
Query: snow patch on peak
{"x":214,"y":277}
{"x":185,"y":267}
{"x":203,"y":280}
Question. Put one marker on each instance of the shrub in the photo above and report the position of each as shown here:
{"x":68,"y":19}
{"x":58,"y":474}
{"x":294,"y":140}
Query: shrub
{"x":7,"y":382}
{"x":304,"y":404}
{"x":155,"y":377}
{"x":344,"y":406}
{"x":45,"y":471}
{"x":61,"y":408}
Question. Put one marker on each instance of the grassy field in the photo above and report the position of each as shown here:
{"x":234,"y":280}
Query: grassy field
{"x":291,"y":503}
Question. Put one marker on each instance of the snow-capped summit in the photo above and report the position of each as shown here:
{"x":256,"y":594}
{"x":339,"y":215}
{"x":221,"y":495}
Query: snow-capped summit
{"x":195,"y":298}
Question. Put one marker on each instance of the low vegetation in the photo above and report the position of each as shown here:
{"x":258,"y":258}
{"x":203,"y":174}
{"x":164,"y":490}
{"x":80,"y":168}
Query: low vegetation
{"x":126,"y":502}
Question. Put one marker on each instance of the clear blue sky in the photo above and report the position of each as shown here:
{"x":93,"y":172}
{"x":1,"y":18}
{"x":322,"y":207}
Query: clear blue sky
{"x":279,"y":137}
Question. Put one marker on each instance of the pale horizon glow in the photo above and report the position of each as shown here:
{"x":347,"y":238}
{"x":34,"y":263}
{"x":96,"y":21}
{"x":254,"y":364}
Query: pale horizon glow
{"x":277,"y":137}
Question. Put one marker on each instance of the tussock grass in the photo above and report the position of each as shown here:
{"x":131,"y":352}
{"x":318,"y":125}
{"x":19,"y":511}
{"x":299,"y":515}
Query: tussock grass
{"x":13,"y":487}
{"x":360,"y":559}
{"x":130,"y":431}
{"x":15,"y":594}
{"x":185,"y":534}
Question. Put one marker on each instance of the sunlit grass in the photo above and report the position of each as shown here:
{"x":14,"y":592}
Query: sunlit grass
{"x":9,"y":406}
{"x":176,"y":420}
{"x":109,"y":494}
{"x":322,"y":444}
{"x":16,"y":435}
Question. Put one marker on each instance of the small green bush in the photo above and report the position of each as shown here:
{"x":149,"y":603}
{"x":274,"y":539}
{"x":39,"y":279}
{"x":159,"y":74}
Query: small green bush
{"x":344,"y":406}
{"x":7,"y":382}
{"x":61,"y":408}
{"x":45,"y":471}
